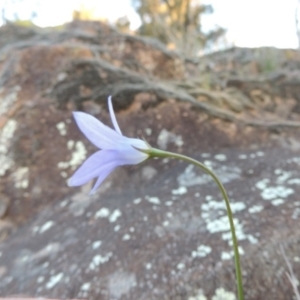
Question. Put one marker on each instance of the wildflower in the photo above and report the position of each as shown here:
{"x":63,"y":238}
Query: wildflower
{"x":117,"y":150}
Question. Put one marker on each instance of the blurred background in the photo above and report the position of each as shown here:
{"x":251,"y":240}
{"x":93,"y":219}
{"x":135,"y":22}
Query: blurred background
{"x":197,"y":25}
{"x":216,"y":80}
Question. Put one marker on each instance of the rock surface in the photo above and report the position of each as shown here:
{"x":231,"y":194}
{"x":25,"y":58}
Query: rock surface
{"x":158,"y":230}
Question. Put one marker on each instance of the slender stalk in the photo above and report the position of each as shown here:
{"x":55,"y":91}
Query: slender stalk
{"x":159,"y":153}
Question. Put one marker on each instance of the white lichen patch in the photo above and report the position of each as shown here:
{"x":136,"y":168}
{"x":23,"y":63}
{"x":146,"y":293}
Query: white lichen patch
{"x":252,"y":239}
{"x":168,"y":203}
{"x":226,"y":255}
{"x":216,"y":219}
{"x":20,"y":177}
{"x":46,"y":226}
{"x":277,"y":202}
{"x":102,"y":213}
{"x":99,"y":260}
{"x":86,"y":286}
{"x":148,"y":131}
{"x":212,"y":205}
{"x":295,"y":181}
{"x":117,"y":228}
{"x":260,"y":154}
{"x":221,"y":157}
{"x":237,"y":206}
{"x":77,"y":157}
{"x":64,"y":203}
{"x":242,"y":156}
{"x":153,"y":200}
{"x":209,"y":163}
{"x":148,"y":266}
{"x":190,"y":178}
{"x":166,"y":223}
{"x":6,"y":135}
{"x":114,"y":215}
{"x":70,"y":144}
{"x":169,"y":214}
{"x":276,"y":193}
{"x":262,"y":184}
{"x":205,"y":155}
{"x":180,"y":266}
{"x":137,"y":201}
{"x":222,"y":294}
{"x":284,"y":176}
{"x":255,"y":209}
{"x":9,"y":100}
{"x":63,"y":174}
{"x":63,"y":165}
{"x":62,"y":129}
{"x":165,"y":137}
{"x":201,"y":251}
{"x":126,"y":237}
{"x":7,"y":132}
{"x":215,"y":205}
{"x":218,"y":225}
{"x":54,"y":280}
{"x":229,"y":255}
{"x":96,"y":245}
{"x":180,"y":191}
{"x":273,"y":192}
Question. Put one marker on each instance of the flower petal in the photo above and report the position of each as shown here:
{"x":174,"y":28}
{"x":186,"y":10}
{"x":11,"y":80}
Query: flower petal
{"x":112,"y":116}
{"x":138,"y":144}
{"x":105,"y":172}
{"x":99,"y":134}
{"x":97,"y":164}
{"x":130,"y":156}
{"x":101,"y":163}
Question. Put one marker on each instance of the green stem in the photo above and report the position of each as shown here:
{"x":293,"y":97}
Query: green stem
{"x":159,"y":153}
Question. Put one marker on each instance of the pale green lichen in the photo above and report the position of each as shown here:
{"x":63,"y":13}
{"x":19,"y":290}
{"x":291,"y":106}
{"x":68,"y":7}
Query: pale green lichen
{"x":222,"y":294}
{"x":180,"y":191}
{"x":153,"y":200}
{"x":9,"y":100}
{"x":6,"y":135}
{"x":54,"y":280}
{"x":201,"y":251}
{"x":165,"y":137}
{"x":114,"y":216}
{"x":99,"y":260}
{"x":20,"y":177}
{"x":77,"y":157}
{"x":102,"y":213}
{"x":61,"y":127}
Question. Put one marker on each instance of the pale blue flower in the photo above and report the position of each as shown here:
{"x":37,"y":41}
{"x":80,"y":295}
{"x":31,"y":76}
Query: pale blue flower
{"x":117,"y":150}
